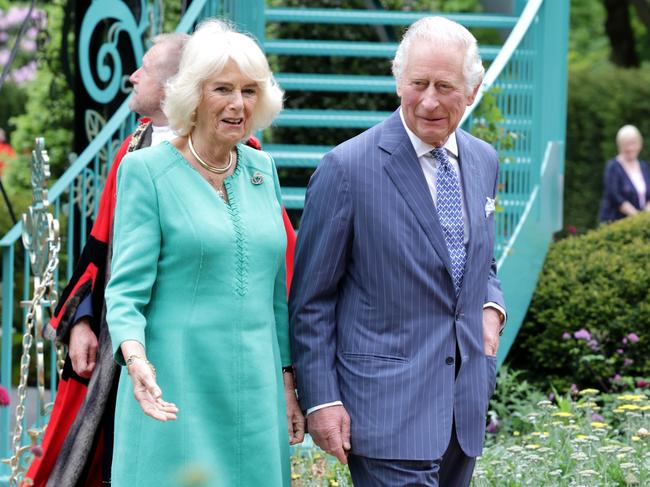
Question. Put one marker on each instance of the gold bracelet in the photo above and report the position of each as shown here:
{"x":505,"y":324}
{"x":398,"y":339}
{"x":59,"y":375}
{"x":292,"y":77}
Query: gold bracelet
{"x":132,"y":357}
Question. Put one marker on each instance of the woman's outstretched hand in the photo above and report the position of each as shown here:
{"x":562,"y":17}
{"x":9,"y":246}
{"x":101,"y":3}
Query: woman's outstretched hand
{"x":145,"y":388}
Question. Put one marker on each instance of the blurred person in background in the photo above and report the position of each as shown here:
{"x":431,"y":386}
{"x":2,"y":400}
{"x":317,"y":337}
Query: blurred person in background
{"x":626,"y":184}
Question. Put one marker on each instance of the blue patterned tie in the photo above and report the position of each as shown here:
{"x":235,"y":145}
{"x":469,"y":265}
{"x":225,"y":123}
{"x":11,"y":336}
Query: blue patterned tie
{"x":450,"y":214}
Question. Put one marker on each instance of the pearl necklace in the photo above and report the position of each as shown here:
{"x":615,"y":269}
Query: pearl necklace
{"x":205,"y":165}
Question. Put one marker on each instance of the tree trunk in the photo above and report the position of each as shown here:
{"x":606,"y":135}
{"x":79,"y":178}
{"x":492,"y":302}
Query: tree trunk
{"x":621,"y":37}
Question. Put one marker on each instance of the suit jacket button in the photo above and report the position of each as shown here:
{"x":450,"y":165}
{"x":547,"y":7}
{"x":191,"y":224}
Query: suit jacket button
{"x":449,"y":360}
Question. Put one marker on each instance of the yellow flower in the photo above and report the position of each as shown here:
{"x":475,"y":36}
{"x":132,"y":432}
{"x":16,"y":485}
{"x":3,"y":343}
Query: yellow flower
{"x":562,"y":414}
{"x":587,"y":405}
{"x":636,"y":438}
{"x":645,"y":408}
{"x":629,"y":407}
{"x":631,"y":397}
{"x":582,"y":437}
{"x":333,"y":483}
{"x":589,"y":392}
{"x":317,"y":456}
{"x":533,"y":446}
{"x":599,"y":425}
{"x":516,"y":433}
{"x":295,"y":476}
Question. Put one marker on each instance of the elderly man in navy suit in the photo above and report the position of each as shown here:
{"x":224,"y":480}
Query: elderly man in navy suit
{"x":395,"y":306}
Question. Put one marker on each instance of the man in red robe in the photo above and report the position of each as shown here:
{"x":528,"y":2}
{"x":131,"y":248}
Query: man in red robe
{"x":78,"y":443}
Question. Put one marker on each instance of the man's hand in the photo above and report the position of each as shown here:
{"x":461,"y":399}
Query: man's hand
{"x":330,"y":429}
{"x":295,"y":418}
{"x":491,"y":327}
{"x":83,"y":348}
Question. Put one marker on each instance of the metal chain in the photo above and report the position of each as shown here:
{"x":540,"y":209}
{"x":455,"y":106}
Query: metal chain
{"x":46,"y":284}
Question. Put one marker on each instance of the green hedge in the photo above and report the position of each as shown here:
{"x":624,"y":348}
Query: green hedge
{"x":601,"y":99}
{"x":599,"y":283}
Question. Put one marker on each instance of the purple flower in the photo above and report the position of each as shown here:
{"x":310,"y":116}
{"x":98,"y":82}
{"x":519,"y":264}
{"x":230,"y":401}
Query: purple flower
{"x":616,"y":379}
{"x":624,"y":341}
{"x":597,"y":417}
{"x":642,"y":383}
{"x":574,"y":389}
{"x":4,"y":56}
{"x":493,"y":426}
{"x":620,"y":350}
{"x":551,"y":397}
{"x":37,"y":451}
{"x":4,"y":37}
{"x":633,"y":337}
{"x":582,"y":334}
{"x":628,"y":361}
{"x":566,"y":335}
{"x":593,"y":344}
{"x":4,"y":397}
{"x":28,"y":45}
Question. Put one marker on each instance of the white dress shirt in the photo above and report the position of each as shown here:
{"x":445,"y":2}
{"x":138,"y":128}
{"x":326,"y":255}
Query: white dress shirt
{"x":161,"y":133}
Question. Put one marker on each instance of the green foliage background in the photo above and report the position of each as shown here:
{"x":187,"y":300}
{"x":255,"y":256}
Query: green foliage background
{"x":599,"y":281}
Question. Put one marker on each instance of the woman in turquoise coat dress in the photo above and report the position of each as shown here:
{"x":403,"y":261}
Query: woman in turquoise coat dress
{"x":198,"y":284}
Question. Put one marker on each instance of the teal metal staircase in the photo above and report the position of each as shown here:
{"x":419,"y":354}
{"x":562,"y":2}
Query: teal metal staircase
{"x":527,"y":77}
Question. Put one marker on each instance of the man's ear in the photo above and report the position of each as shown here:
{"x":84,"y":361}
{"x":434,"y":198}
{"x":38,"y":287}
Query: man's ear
{"x":472,"y":97}
{"x":398,"y":88}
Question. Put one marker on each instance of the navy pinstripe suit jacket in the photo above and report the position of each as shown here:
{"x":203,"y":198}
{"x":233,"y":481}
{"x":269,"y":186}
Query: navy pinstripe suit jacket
{"x":374,"y":317}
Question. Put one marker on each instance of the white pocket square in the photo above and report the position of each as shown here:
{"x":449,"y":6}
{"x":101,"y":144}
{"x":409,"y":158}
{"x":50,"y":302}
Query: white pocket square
{"x":489,"y":207}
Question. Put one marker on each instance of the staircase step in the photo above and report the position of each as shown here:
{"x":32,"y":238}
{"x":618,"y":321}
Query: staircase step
{"x":293,"y":198}
{"x":336,"y":82}
{"x":296,"y":155}
{"x":306,"y":47}
{"x":295,"y":117}
{"x":381,"y":17}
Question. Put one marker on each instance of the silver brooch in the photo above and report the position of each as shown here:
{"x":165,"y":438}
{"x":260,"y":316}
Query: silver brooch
{"x":257,"y":178}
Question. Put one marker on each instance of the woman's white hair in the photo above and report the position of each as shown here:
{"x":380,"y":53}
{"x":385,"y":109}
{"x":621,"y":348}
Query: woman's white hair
{"x":442,"y":33}
{"x":628,"y":132}
{"x":205,"y":54}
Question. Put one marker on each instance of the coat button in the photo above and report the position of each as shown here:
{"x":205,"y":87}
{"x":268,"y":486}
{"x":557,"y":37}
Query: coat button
{"x":449,"y":360}
{"x":459,"y":316}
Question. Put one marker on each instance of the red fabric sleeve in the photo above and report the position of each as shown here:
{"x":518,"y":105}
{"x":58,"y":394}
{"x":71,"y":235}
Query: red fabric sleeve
{"x":291,"y":245}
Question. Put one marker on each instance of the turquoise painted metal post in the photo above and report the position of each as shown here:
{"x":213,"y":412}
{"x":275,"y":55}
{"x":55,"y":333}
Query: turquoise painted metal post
{"x":5,"y":365}
{"x":555,"y":39}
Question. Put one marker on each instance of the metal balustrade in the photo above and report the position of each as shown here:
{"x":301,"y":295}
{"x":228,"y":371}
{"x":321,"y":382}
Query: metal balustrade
{"x":526,"y":78}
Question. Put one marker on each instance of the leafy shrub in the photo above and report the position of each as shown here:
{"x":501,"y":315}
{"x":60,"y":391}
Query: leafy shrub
{"x":589,"y":319}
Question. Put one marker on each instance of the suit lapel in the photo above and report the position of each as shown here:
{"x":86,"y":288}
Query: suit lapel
{"x":404,"y":170}
{"x":471,"y":174}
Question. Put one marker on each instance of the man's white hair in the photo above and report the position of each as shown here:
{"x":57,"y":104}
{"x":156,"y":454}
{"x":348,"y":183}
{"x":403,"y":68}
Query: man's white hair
{"x":628,"y":132}
{"x":442,"y":33}
{"x":173,"y":43}
{"x":206,"y":54}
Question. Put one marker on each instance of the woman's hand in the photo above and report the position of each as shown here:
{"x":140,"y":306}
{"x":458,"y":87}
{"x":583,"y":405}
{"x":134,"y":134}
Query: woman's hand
{"x":295,"y":418}
{"x":145,"y":388}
